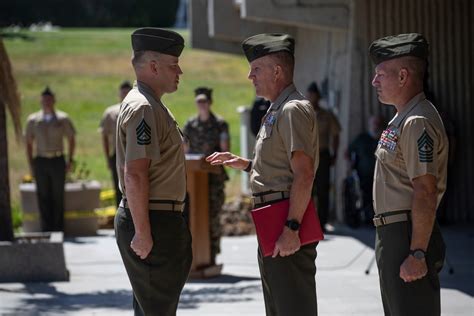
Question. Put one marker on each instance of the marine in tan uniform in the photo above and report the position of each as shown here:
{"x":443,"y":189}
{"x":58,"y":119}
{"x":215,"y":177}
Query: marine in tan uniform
{"x":329,"y":129}
{"x":284,"y":164}
{"x":409,"y":180}
{"x":152,"y":235}
{"x":206,"y":133}
{"x":107,"y":128}
{"x":44,"y":135}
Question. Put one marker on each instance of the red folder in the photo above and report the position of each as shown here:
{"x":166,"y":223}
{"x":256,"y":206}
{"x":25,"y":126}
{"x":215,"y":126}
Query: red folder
{"x":270,"y":220}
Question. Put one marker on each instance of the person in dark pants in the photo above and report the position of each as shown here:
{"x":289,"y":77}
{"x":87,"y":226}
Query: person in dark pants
{"x":107,"y":128}
{"x":45,"y":133}
{"x":329,"y":129}
{"x":361,"y":155}
{"x":283,"y":167}
{"x":409,"y":180}
{"x":152,"y":235}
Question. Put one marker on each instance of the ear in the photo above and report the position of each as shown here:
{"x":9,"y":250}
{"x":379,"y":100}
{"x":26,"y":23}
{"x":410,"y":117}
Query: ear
{"x":153,"y":67}
{"x":277,"y":72}
{"x":402,"y":77}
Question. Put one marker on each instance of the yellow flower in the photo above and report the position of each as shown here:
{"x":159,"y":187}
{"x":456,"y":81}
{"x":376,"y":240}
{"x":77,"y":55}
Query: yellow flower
{"x":27,"y":178}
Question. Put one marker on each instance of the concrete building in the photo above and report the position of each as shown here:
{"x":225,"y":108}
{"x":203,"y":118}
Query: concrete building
{"x":332,"y":37}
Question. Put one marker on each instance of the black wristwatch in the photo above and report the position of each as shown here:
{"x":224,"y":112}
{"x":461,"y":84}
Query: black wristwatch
{"x":418,"y":254}
{"x":293,"y":224}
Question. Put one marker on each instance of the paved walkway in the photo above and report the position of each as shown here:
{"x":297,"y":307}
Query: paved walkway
{"x":99,"y":285}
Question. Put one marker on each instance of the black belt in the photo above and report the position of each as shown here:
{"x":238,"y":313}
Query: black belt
{"x":391,"y":218}
{"x":159,"y":205}
{"x":269,"y":196}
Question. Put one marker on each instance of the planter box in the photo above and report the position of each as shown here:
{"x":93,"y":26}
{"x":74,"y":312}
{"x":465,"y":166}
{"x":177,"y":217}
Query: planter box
{"x":80,"y":201}
{"x":35,"y":257}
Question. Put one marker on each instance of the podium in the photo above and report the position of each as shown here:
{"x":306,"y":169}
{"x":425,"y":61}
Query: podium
{"x":197,"y":173}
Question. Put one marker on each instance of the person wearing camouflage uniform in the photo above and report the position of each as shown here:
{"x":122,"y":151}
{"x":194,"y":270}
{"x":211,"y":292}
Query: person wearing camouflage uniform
{"x":207,"y":133}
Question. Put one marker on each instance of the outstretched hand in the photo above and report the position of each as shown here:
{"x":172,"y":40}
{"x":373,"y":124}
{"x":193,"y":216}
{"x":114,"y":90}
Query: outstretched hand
{"x":228,"y":159}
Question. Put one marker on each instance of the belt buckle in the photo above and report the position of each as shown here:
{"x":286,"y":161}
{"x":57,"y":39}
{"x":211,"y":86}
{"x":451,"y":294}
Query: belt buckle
{"x":378,"y":221}
{"x":258,"y":199}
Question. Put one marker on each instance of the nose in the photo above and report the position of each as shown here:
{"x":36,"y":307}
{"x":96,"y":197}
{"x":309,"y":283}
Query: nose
{"x":180,"y":72}
{"x":250,"y":75}
{"x":375,"y":81}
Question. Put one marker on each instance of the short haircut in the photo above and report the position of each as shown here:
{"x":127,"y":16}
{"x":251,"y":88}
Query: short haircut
{"x":142,"y":57}
{"x":416,"y":66}
{"x":286,"y":61}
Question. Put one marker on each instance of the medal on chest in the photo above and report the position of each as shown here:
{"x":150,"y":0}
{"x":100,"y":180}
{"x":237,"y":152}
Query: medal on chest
{"x":389,"y":139}
{"x":269,"y":120}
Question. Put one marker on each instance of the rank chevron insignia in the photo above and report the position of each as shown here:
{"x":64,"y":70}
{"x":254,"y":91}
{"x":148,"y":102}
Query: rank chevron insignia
{"x":425,"y":147}
{"x":143,"y":133}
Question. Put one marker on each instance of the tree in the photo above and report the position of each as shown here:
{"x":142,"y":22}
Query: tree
{"x":8,"y":99}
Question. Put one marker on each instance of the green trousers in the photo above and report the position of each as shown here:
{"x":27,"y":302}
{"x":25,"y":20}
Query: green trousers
{"x":50,"y":176}
{"x":420,"y":297}
{"x":157,"y":280}
{"x":289,"y":284}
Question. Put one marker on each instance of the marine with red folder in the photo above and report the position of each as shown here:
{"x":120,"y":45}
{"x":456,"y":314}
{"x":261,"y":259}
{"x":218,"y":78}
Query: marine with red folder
{"x":270,"y":220}
{"x":281,"y":177}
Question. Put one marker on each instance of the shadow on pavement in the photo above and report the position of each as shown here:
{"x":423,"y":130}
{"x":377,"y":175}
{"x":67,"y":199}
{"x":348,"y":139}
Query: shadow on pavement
{"x":224,"y":279}
{"x":459,"y":240}
{"x":44,"y":298}
{"x":191,"y":298}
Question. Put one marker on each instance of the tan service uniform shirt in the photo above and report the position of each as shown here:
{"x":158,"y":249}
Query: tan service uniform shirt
{"x":414,"y":144}
{"x":108,"y":125}
{"x":288,"y":126}
{"x":49,"y":134}
{"x":147,"y":129}
{"x":328,"y":127}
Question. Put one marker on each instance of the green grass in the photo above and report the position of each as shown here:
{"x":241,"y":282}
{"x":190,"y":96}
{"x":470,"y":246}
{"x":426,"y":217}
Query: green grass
{"x":84,"y":68}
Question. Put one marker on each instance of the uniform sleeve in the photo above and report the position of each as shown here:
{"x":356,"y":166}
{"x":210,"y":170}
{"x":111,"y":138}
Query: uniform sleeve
{"x":418,"y":143}
{"x":295,"y":126}
{"x":335,"y":126}
{"x":29,"y":130}
{"x":103,"y":124}
{"x":68,"y":127}
{"x":141,"y":136}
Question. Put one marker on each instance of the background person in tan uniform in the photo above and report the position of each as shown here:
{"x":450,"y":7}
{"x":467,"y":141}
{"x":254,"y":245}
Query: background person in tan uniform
{"x":329,"y":129}
{"x":409,"y":180}
{"x":284,"y":164}
{"x":46,"y":130}
{"x":107,"y":127}
{"x":152,"y":235}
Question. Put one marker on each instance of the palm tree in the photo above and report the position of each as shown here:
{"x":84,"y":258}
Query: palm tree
{"x":8,"y":99}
